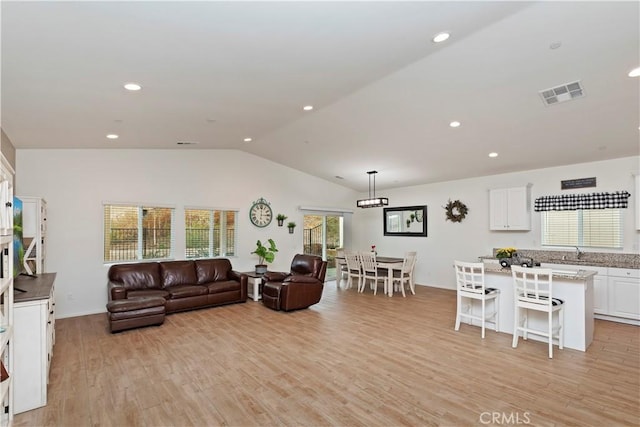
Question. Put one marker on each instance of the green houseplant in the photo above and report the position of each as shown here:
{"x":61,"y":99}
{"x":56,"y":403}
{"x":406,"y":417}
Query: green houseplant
{"x":291,"y":226}
{"x":265,"y":254}
{"x":281,"y":218}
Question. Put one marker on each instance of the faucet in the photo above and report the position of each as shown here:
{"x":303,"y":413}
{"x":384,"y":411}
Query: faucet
{"x":578,"y":253}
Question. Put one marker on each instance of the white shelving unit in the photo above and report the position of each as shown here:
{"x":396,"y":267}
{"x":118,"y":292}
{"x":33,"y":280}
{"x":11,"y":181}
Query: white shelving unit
{"x":34,"y":233}
{"x":6,"y":290}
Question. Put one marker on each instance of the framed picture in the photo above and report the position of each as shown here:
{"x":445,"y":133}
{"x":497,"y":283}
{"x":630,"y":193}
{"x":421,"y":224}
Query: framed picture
{"x":405,"y":221}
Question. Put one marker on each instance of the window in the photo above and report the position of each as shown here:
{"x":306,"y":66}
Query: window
{"x":210,"y":233}
{"x":597,"y":228}
{"x":134,"y":232}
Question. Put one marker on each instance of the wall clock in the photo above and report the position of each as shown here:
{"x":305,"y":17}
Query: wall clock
{"x":260,"y":213}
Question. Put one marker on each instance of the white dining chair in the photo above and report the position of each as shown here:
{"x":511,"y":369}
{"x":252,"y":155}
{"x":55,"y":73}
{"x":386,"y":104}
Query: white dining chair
{"x":353,"y":268}
{"x":370,"y":272}
{"x":471,"y":287}
{"x":533,"y":290}
{"x":412,"y":282}
{"x":404,"y":276}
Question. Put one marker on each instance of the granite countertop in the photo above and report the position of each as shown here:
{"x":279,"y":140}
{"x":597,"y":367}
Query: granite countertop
{"x":594,"y":259}
{"x":578,"y":275}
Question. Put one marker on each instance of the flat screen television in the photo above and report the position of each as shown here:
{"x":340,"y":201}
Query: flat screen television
{"x":18,"y":246}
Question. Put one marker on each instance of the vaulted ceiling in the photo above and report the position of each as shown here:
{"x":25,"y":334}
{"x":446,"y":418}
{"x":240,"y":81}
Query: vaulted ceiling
{"x":383,"y":92}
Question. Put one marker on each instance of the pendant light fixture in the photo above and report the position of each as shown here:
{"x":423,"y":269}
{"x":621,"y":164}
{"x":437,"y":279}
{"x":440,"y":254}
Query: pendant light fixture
{"x":372,"y":201}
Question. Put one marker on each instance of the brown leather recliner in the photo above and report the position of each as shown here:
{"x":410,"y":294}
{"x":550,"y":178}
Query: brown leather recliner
{"x":300,"y":288}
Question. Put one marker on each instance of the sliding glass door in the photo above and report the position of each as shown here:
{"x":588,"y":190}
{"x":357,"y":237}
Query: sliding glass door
{"x":322,"y":235}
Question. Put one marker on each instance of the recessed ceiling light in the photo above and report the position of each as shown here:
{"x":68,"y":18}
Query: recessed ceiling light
{"x":339,"y":177}
{"x":555,"y":45}
{"x":112,"y":136}
{"x":635,"y":72}
{"x":132,"y":86}
{"x":454,"y":124}
{"x":494,"y":154}
{"x":248,"y":139}
{"x":307,"y":107}
{"x":440,"y":37}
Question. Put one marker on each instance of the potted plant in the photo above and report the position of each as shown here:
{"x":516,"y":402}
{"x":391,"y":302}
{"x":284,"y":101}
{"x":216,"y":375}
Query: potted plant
{"x":291,"y":226}
{"x":265,"y":254}
{"x":281,"y":218}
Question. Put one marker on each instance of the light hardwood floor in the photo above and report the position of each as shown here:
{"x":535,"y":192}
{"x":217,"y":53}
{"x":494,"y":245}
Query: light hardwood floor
{"x":352,"y":360}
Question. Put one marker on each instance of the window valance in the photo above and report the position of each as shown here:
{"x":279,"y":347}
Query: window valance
{"x":572,"y":202}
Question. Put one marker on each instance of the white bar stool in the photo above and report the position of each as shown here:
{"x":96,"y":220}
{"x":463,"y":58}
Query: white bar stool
{"x":470,"y":286}
{"x":533,"y":290}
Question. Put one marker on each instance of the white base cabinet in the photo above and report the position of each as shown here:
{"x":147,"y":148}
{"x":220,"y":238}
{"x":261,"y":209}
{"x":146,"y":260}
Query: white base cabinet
{"x":34,"y":339}
{"x":624,"y":293}
{"x":616,"y":292}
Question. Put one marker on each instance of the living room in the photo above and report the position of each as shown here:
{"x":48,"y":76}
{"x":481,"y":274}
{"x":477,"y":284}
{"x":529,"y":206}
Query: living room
{"x":79,"y":174}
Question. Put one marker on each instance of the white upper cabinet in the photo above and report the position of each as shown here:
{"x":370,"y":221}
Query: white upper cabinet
{"x":510,"y":209}
{"x":637,"y":204}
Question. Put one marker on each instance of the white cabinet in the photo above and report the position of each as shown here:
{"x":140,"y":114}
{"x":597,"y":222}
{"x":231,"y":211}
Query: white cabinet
{"x":637,"y":204}
{"x":510,"y":208}
{"x":616,"y":294}
{"x":600,"y":294}
{"x":34,"y":233}
{"x":624,"y":293}
{"x":34,"y":338}
{"x":7,"y":332}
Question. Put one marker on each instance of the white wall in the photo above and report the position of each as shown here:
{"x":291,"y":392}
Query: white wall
{"x":471,"y":238}
{"x":75,"y":183}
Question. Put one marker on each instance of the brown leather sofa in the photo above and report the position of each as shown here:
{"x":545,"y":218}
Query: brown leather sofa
{"x":300,"y":288}
{"x":185,"y":285}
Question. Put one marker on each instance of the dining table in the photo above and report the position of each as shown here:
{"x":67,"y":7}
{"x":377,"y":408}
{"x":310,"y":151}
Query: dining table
{"x":383,"y":262}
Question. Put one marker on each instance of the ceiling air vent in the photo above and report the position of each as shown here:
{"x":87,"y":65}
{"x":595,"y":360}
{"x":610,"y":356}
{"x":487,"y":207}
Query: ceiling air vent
{"x":187,"y":143}
{"x":565,"y":92}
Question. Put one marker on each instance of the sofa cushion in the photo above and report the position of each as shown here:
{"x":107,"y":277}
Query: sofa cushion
{"x":212,"y":270}
{"x":143,"y":275}
{"x":184,"y":291}
{"x":174,"y":273}
{"x":223,"y":286}
{"x":134,"y":304}
{"x":144,"y":293}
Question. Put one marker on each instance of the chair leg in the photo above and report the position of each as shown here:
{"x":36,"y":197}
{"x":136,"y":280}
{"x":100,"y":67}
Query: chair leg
{"x":457,"y":328}
{"x":561,"y":330}
{"x":516,"y":325}
{"x":483,"y":319}
{"x":401,"y":282}
{"x":496,"y":305}
{"x":550,"y":320}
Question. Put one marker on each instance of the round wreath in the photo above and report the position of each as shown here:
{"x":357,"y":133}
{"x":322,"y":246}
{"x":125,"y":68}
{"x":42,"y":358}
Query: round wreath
{"x":456,"y":211}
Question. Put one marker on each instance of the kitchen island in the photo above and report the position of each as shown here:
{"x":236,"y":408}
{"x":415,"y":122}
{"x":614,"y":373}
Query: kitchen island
{"x":574,"y":287}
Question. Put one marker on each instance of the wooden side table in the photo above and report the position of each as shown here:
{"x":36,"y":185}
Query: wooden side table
{"x":253,"y":285}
